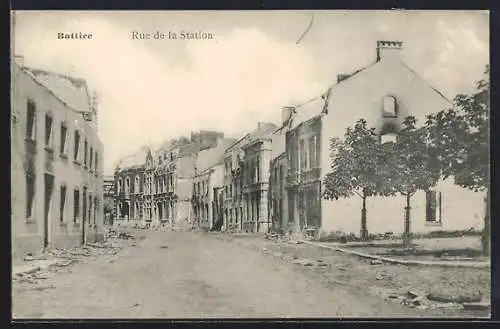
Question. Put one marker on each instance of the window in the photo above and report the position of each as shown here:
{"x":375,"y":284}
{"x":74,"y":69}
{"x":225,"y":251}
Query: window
{"x":64,"y":135}
{"x":136,"y":184}
{"x":96,"y":168}
{"x":85,"y":146}
{"x":77,"y":146}
{"x":84,"y":204}
{"x":127,"y":185}
{"x":432,"y":206}
{"x":313,"y":152}
{"x":302,"y":150}
{"x":96,"y":206}
{"x":76,"y":205}
{"x":30,"y":195}
{"x":62,"y":201}
{"x":31,"y":120}
{"x":91,"y":160}
{"x":389,"y":104}
{"x":48,"y":131}
{"x":90,"y":207}
{"x":119,"y":187}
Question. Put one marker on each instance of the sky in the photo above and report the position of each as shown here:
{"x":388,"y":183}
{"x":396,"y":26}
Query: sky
{"x":151,"y":90}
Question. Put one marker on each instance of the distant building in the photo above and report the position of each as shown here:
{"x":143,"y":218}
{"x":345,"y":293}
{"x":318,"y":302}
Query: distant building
{"x":128,"y":184}
{"x":109,"y":193}
{"x":56,"y":167}
{"x":154,"y":187}
{"x":246,"y":181}
{"x":208,"y":182}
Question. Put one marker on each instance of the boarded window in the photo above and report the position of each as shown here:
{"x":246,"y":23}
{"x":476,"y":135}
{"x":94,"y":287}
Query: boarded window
{"x":64,"y":135}
{"x":62,"y":200}
{"x":31,"y":120}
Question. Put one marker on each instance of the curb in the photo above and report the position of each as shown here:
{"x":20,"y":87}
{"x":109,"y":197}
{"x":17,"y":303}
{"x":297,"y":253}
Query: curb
{"x":477,"y":265}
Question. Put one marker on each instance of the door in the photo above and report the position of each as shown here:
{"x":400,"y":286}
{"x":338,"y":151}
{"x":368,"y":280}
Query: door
{"x":49,"y":187}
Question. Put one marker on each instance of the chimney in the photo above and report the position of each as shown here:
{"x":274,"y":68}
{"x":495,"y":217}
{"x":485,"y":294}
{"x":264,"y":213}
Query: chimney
{"x":341,"y":77}
{"x":388,"y":49}
{"x":287,"y":113}
{"x":19,"y":60}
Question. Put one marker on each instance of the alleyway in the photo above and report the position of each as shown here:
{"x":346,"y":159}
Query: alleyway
{"x":193,"y":275}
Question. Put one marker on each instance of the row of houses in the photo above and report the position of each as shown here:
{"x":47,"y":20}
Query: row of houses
{"x":56,"y":161}
{"x":271,"y":178}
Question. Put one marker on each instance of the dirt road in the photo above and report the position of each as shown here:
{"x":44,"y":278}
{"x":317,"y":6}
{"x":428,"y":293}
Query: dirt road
{"x":194,"y":275}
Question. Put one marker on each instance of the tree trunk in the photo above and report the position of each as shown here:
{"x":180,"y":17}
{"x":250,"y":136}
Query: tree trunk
{"x":407,"y":234}
{"x":363,"y":235}
{"x":486,"y":236}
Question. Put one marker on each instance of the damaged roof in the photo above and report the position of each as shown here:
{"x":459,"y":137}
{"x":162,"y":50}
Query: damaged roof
{"x":72,"y":91}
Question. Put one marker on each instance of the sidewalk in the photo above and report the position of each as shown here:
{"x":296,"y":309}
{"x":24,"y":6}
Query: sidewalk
{"x":454,"y":264}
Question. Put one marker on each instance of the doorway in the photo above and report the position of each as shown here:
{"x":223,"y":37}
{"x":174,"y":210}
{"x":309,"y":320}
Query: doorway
{"x":48,"y":189}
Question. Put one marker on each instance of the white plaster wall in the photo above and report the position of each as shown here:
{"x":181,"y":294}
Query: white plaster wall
{"x":361,"y":97}
{"x":461,"y":209}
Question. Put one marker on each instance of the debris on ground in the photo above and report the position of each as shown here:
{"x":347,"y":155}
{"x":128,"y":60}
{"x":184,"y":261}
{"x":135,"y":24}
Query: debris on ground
{"x":125,"y":235}
{"x":476,"y":306}
{"x":458,"y":299}
{"x":376,"y":262}
{"x":309,"y":262}
{"x":163,"y":247}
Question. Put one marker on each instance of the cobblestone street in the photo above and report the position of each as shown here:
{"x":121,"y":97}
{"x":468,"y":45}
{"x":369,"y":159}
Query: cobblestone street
{"x":194,"y":275}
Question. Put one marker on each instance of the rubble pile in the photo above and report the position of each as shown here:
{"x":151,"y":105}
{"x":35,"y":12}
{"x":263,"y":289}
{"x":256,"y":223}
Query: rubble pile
{"x":421,"y":300}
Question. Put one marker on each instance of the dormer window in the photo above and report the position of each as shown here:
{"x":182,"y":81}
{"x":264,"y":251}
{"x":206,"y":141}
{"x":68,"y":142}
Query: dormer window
{"x":389,"y":107}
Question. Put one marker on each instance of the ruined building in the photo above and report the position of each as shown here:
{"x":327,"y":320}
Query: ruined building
{"x":56,"y":161}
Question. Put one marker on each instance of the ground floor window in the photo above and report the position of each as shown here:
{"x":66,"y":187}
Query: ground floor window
{"x":76,"y":205}
{"x":433,"y":201}
{"x":30,"y":195}
{"x":62,"y":201}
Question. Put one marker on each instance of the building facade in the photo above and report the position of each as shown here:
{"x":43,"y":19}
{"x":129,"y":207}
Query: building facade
{"x":56,"y":167}
{"x":390,"y":92}
{"x":246,"y":181}
{"x":278,"y":197}
{"x":129,"y":189}
{"x":109,"y":199}
{"x":206,"y":195}
{"x":154,"y":187}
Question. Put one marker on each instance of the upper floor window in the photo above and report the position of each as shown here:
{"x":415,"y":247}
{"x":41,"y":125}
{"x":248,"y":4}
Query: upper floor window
{"x":76,"y":154}
{"x":85,"y":149}
{"x":96,"y":168}
{"x":91,"y":160}
{"x":48,"y":131}
{"x":31,"y":120}
{"x":119,"y":187}
{"x":389,"y":107}
{"x":127,"y":185}
{"x":64,"y":135}
{"x":137,"y":184}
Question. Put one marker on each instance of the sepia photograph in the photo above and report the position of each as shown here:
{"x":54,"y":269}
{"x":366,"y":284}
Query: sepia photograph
{"x":250,"y":164}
